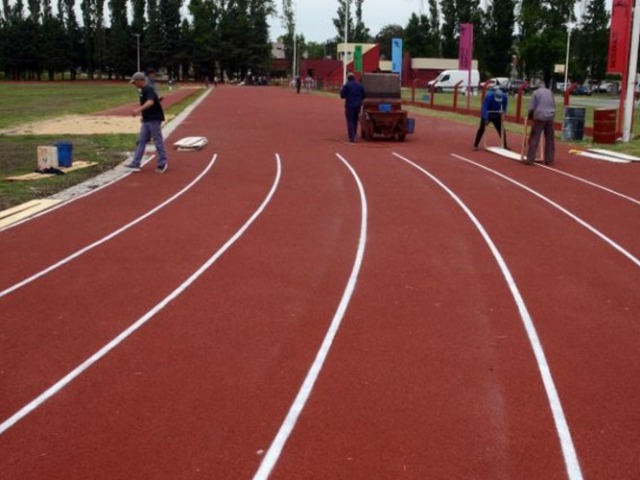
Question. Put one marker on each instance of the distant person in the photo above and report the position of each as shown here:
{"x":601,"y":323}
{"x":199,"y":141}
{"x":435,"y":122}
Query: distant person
{"x":151,"y":125}
{"x":542,"y":110}
{"x":353,"y":94}
{"x":494,"y":107}
{"x":298,"y":83}
{"x":151,"y":80}
{"x":308,"y":83}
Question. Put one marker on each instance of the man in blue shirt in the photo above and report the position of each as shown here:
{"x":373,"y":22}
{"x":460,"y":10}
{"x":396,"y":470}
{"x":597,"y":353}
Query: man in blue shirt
{"x":353,"y":94}
{"x":493,"y":108}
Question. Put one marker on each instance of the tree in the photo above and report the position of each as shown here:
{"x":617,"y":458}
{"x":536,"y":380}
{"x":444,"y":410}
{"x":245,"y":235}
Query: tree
{"x":543,"y":35}
{"x":118,"y":58}
{"x":289,"y":24}
{"x":360,"y":32}
{"x":449,"y":29}
{"x":339,"y":22}
{"x":384,"y":37}
{"x":592,"y":40}
{"x":258,"y":54}
{"x":497,"y":45}
{"x":418,"y":39}
{"x":434,"y":27}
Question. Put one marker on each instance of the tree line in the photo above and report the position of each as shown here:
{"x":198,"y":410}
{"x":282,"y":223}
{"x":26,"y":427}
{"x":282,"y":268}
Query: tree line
{"x":512,"y":38}
{"x":211,"y":36}
{"x":203,"y":38}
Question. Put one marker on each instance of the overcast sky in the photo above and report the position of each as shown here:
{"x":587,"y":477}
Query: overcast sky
{"x":314,"y":17}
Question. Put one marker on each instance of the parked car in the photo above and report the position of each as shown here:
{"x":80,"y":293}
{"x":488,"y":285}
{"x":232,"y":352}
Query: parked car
{"x":502,"y":82}
{"x":581,"y":90}
{"x":605,"y":87}
{"x":516,"y":84}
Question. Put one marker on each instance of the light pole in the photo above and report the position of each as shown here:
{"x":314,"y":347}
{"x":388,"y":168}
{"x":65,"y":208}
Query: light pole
{"x":295,"y":41}
{"x":346,"y":36}
{"x":138,"y":50}
{"x":566,"y":62}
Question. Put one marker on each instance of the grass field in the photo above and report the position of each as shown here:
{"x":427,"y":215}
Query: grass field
{"x":26,"y":102}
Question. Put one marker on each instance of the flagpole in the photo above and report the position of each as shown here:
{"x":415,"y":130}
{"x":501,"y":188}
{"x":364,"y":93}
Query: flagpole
{"x":631,"y":75}
{"x":346,"y":35}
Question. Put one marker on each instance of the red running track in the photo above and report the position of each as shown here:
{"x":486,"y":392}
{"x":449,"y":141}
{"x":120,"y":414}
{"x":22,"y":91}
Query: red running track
{"x":307,"y":309}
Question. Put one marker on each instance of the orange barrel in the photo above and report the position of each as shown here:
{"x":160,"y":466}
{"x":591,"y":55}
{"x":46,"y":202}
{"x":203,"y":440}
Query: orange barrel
{"x":604,"y":125}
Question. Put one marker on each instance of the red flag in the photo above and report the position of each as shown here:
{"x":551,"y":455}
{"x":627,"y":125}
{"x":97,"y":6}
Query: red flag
{"x":465,"y":52}
{"x":619,"y":38}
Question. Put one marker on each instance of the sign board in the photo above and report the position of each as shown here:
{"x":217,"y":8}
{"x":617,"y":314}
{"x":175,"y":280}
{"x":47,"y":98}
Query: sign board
{"x":357,"y":58}
{"x":396,"y":56}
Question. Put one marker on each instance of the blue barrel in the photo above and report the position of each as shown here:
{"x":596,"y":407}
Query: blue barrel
{"x":65,"y":154}
{"x":573,"y":126}
{"x":411,"y":125}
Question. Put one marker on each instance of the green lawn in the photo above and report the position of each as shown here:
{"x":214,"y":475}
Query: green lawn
{"x":23,"y":102}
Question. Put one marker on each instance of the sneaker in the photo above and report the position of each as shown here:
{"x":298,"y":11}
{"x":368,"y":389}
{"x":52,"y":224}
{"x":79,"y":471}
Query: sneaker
{"x":134,"y":168}
{"x":162,"y":169}
{"x":475,"y":149}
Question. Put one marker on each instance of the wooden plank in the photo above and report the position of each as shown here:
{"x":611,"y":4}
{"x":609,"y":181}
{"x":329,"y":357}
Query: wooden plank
{"x":25,"y":210}
{"x":77,"y":165}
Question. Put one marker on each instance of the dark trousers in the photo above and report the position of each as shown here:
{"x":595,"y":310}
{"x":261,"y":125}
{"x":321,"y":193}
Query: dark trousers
{"x":352,"y":114}
{"x":537,"y":129}
{"x":496,"y":120}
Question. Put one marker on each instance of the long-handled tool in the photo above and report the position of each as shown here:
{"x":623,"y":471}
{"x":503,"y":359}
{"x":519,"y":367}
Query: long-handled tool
{"x":525,"y":141}
{"x":525,"y":145}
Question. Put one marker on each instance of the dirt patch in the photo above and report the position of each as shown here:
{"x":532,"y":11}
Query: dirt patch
{"x":78,"y":125}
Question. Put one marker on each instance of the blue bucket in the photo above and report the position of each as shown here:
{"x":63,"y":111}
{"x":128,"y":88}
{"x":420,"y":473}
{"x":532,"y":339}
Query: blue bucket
{"x":411,"y":125}
{"x":65,"y":154}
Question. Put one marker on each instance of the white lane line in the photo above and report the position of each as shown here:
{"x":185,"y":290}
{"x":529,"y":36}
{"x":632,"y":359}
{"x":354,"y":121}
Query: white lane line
{"x":562,"y":428}
{"x":67,"y":379}
{"x":276,"y":447}
{"x":577,"y":219}
{"x":592,"y":184}
{"x":105,"y":239}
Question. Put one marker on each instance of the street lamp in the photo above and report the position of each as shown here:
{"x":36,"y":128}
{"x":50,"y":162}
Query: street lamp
{"x":138,"y":50}
{"x":346,"y":36}
{"x":295,"y":41}
{"x":566,"y":62}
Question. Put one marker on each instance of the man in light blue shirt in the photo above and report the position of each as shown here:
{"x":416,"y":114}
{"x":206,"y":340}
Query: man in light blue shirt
{"x":542,"y":110}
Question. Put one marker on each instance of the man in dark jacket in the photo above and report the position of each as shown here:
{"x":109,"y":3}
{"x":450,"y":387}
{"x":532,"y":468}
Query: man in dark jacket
{"x":353,"y":94}
{"x":151,"y":125}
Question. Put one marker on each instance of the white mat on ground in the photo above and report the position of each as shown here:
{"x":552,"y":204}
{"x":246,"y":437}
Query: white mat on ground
{"x":505,"y":153}
{"x":191,"y":143}
{"x":598,"y":156}
{"x":621,"y":156}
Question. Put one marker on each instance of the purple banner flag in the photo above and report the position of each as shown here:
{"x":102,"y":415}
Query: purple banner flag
{"x":465,"y":53}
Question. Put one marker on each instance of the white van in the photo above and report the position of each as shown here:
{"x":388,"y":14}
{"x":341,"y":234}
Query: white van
{"x":446,"y":81}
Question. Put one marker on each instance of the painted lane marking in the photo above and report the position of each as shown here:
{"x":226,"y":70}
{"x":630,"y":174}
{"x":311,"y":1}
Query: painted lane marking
{"x":577,"y":219}
{"x":562,"y":428}
{"x":105,"y":239}
{"x":592,"y":184}
{"x":67,"y":379}
{"x":276,"y":447}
